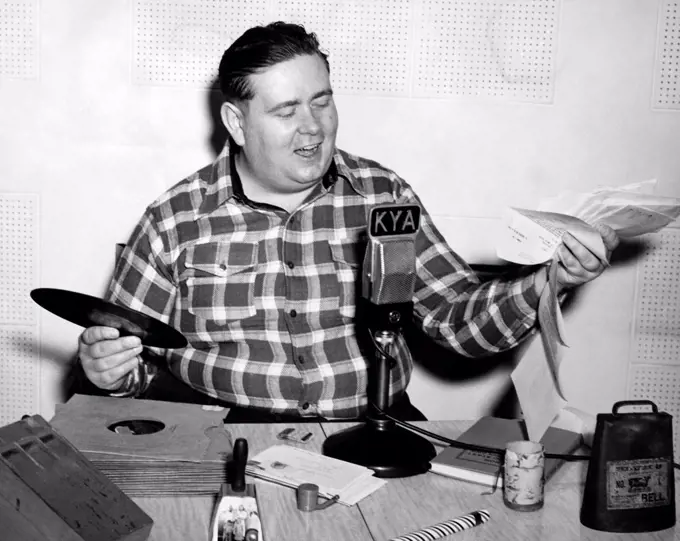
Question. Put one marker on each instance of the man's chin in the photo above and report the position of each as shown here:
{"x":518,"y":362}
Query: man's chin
{"x":312,"y":174}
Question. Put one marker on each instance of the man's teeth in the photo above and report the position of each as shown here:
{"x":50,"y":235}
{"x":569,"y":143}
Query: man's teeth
{"x":310,"y":147}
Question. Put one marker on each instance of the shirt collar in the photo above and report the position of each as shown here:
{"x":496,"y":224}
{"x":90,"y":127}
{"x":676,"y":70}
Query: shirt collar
{"x":224,"y":183}
{"x":218,"y":183}
{"x":342,"y":170}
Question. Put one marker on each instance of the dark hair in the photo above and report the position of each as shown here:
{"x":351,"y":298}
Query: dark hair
{"x":261,"y":47}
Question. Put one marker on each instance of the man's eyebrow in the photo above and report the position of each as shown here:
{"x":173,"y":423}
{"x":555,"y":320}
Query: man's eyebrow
{"x":327,"y":92}
{"x":292,"y":103}
{"x":283,"y":105}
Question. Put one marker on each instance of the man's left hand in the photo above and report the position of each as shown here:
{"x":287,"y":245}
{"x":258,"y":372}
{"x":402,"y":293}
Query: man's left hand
{"x":577,"y":264}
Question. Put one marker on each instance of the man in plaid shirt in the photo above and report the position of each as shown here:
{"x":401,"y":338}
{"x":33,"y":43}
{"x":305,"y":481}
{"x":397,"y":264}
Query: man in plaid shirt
{"x":256,"y":259}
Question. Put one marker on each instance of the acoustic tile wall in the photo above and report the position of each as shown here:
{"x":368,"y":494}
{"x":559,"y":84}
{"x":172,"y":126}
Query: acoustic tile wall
{"x":179,"y":42}
{"x":408,"y":48}
{"x":487,"y":48}
{"x":19,"y":38}
{"x":19,"y":349}
{"x":655,"y":358}
{"x":667,"y":66}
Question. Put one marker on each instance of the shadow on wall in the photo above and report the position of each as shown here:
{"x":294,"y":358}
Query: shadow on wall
{"x":448,"y":366}
{"x":443,"y":364}
{"x":75,"y":380}
{"x":629,"y":251}
{"x":218,"y":134}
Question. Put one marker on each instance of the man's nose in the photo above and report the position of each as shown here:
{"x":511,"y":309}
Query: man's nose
{"x":310,"y":123}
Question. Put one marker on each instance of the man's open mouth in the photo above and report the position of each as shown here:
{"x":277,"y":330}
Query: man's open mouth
{"x":308,"y":150}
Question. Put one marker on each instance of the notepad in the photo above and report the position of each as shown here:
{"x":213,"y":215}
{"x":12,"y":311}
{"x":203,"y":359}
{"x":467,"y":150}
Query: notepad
{"x":485,"y":468}
{"x":291,"y":466}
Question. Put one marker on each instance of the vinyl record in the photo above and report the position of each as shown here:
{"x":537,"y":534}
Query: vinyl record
{"x":88,"y":311}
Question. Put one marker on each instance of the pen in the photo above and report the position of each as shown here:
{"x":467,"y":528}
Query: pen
{"x":447,"y":527}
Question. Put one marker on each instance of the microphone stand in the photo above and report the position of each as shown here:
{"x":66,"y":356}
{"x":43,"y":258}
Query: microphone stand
{"x":388,"y":449}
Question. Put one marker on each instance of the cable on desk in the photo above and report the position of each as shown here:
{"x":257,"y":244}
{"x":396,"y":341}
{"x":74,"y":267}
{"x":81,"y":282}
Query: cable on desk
{"x":453,"y":443}
{"x":468,"y":446}
{"x":480,"y":448}
{"x":460,"y":444}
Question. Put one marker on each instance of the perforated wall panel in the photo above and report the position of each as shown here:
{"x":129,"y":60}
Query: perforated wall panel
{"x":661,"y":385}
{"x":486,"y":48}
{"x":18,"y":258}
{"x":655,"y":363}
{"x":410,"y":48}
{"x":368,"y":41}
{"x":180,"y":42}
{"x":667,"y":66}
{"x":19,"y":373}
{"x":19,"y":351}
{"x":19,"y":38}
{"x":657,"y":306}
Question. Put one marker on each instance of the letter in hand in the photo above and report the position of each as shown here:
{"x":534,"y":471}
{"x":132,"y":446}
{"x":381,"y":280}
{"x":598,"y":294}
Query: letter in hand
{"x":577,"y":264}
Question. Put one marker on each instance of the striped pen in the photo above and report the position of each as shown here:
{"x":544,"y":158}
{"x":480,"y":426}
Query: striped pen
{"x":447,"y":527}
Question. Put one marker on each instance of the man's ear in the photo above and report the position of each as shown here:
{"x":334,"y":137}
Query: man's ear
{"x":232,"y":118}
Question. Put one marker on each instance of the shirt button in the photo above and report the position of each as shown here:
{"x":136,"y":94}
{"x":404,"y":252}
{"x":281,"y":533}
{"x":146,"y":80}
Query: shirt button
{"x":223,"y":266}
{"x":301,"y":359}
{"x":290,"y":264}
{"x":293,"y":313}
{"x":305,"y":406}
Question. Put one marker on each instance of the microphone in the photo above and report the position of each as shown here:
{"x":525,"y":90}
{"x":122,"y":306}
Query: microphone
{"x":385,"y":305}
{"x":389,"y":268}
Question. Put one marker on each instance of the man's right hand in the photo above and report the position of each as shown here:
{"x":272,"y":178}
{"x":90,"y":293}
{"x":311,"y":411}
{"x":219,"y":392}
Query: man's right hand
{"x":106,"y":357}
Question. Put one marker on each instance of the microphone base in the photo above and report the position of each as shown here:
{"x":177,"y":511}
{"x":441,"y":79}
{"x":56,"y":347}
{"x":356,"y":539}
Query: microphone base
{"x":389,"y":450}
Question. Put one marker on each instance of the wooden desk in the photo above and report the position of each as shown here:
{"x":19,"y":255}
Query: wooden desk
{"x":402,"y":506}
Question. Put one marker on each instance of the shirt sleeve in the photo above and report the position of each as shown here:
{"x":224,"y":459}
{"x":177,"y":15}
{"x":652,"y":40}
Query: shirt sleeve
{"x":455,"y":308}
{"x":143,"y":278}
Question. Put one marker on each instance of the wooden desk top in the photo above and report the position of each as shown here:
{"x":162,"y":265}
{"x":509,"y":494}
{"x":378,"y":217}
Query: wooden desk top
{"x":400,"y":507}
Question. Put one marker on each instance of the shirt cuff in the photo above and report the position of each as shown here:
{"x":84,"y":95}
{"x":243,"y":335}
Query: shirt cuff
{"x":136,"y":382}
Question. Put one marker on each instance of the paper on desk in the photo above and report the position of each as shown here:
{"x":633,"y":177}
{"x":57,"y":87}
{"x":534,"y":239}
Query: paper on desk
{"x":291,"y":466}
{"x":576,"y":420}
{"x":542,"y":402}
{"x":531,"y":237}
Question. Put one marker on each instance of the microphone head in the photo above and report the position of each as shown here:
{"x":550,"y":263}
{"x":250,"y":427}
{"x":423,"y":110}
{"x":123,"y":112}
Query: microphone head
{"x":389,"y":272}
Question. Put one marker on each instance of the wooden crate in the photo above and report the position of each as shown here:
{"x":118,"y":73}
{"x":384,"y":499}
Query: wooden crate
{"x":49,"y":491}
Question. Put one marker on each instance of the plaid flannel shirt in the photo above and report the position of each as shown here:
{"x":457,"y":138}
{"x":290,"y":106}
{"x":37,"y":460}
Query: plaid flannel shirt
{"x":267,"y":298}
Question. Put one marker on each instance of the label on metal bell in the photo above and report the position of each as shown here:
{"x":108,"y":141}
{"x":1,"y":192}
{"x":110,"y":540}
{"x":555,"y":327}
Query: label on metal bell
{"x":635,"y":484}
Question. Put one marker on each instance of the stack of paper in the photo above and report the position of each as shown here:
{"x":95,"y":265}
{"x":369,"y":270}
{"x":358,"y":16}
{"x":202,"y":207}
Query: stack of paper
{"x":531,"y":237}
{"x":630,"y":210}
{"x":160,"y":478}
{"x":290,"y":466}
{"x":148,"y":447}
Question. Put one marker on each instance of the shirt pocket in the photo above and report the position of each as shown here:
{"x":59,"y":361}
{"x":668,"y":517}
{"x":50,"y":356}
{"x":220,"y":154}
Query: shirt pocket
{"x":220,"y":281}
{"x":347,"y":255}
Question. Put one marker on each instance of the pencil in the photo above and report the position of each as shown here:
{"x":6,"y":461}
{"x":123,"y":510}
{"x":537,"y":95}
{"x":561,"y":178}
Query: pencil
{"x":447,"y":527}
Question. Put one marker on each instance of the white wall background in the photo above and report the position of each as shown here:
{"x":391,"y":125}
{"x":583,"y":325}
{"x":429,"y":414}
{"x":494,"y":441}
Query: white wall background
{"x":478,"y":104}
